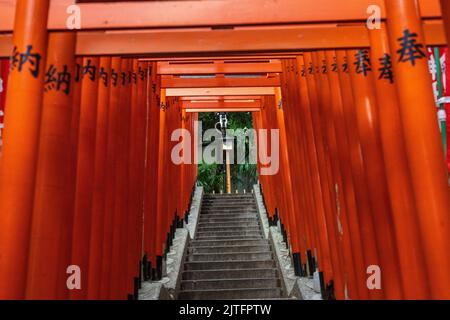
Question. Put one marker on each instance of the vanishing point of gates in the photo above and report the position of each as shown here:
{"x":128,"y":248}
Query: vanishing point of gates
{"x":347,"y":101}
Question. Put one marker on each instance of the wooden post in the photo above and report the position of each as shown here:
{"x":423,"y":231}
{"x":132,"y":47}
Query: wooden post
{"x":426,"y":158}
{"x":360,"y":222}
{"x":404,"y":215}
{"x":364,"y":96}
{"x":20,"y":143}
{"x":85,"y":172}
{"x":50,"y":244}
{"x":119,"y":238}
{"x":160,"y":214}
{"x":99,"y":196}
{"x":114,"y":116}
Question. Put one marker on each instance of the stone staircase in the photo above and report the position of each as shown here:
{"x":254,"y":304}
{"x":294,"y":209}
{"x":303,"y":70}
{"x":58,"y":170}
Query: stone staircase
{"x":229,"y":257}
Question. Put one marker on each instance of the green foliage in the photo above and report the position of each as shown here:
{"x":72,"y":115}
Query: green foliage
{"x":243,"y":176}
{"x":211,"y":177}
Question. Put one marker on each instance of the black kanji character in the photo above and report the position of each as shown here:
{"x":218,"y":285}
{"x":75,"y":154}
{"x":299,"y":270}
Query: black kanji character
{"x":123,"y":76}
{"x":386,"y":68}
{"x":362,"y":63}
{"x":14,"y":60}
{"x":64,"y":80}
{"x":55,"y":79}
{"x":324,"y":67}
{"x":311,"y":68}
{"x":334,"y":65}
{"x":32,"y":58}
{"x":50,"y":78}
{"x":78,"y":73}
{"x":114,"y":77}
{"x":410,"y":50}
{"x":90,"y":70}
{"x":103,"y":75}
{"x":132,"y":77}
{"x":142,"y":73}
{"x":303,"y":71}
{"x":345,"y":65}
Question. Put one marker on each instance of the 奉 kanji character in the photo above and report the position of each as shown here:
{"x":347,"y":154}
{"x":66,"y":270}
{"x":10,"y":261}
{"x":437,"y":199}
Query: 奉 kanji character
{"x":362,"y":63}
{"x":410,"y":50}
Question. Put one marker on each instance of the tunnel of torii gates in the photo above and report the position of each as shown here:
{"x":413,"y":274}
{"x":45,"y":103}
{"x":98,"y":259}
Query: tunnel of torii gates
{"x":86,"y":177}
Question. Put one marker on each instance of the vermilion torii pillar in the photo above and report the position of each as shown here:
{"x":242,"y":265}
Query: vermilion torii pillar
{"x":119,"y":236}
{"x":20,"y":143}
{"x":364,"y":97}
{"x":100,"y":173}
{"x":151,"y":171}
{"x":85,"y":172}
{"x":324,"y":169}
{"x":111,"y":152}
{"x":160,"y":214}
{"x":347,"y":198}
{"x":426,"y":158}
{"x":50,"y":243}
{"x":404,"y":216}
{"x":357,"y":170}
{"x":445,"y":7}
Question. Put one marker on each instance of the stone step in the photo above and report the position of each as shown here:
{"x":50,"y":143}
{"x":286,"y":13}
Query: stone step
{"x":231,"y":195}
{"x":228,"y":200}
{"x":230,"y":274}
{"x":251,"y":224}
{"x":228,"y":242}
{"x":226,"y":211}
{"x":227,"y":294}
{"x":229,"y":265}
{"x":235,"y":222}
{"x":205,"y":219}
{"x":229,"y":235}
{"x":216,"y":284}
{"x":227,"y":232}
{"x":235,"y":228}
{"x":229,"y":249}
{"x":208,"y":216}
{"x":230,"y":256}
{"x":242,"y":237}
{"x":228,"y":205}
{"x":233,"y":201}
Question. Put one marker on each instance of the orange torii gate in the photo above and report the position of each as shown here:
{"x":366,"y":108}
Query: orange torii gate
{"x":89,"y":119}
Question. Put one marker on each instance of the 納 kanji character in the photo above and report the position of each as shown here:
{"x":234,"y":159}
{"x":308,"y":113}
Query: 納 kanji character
{"x":50,"y":78}
{"x":64,"y":80}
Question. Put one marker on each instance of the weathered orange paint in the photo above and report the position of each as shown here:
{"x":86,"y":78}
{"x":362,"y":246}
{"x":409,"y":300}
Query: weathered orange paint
{"x":20,"y":148}
{"x":50,"y":243}
{"x":424,"y":150}
{"x":100,"y":174}
{"x":404,"y":215}
{"x":85,"y":172}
